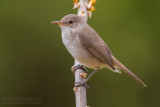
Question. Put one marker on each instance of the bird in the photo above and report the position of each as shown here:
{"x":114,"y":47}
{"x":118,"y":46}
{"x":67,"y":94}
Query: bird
{"x":88,"y":48}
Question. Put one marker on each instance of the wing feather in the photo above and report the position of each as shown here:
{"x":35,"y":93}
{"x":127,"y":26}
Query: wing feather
{"x":91,"y":41}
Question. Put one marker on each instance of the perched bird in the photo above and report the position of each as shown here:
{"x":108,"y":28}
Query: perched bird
{"x":87,"y":47}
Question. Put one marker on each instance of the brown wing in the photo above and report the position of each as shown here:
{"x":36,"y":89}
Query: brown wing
{"x":90,"y":40}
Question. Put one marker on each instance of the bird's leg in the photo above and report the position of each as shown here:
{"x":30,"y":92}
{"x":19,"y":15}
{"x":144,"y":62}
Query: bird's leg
{"x":74,"y":68}
{"x":77,"y":84}
{"x":89,"y":77}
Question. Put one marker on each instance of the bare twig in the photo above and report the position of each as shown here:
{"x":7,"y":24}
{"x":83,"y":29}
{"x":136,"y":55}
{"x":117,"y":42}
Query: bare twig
{"x":85,"y":7}
{"x":80,"y":92}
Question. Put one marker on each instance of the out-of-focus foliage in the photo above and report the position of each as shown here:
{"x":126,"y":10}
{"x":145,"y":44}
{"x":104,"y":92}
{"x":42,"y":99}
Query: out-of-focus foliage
{"x":34,"y":62}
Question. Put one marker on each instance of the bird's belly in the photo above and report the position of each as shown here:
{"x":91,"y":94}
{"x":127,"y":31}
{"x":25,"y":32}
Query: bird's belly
{"x":83,"y":56}
{"x":80,"y":53}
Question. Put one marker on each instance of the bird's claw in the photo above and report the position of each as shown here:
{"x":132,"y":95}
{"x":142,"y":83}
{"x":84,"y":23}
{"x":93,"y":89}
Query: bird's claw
{"x":77,"y":84}
{"x":74,"y":68}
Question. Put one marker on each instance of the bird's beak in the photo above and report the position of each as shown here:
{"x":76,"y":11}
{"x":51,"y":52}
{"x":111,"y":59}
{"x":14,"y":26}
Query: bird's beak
{"x":57,"y":22}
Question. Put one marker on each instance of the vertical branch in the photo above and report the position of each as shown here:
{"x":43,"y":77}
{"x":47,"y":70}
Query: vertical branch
{"x":80,"y":92}
{"x":85,"y":7}
{"x":82,"y":10}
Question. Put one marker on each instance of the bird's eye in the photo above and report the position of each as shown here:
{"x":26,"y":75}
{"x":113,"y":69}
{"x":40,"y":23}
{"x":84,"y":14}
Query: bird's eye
{"x":70,"y":21}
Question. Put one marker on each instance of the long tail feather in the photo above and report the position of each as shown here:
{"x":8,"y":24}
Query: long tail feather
{"x":127,"y":71}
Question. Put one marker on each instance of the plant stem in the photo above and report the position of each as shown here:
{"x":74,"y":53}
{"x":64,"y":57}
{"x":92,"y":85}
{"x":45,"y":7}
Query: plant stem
{"x":80,"y":92}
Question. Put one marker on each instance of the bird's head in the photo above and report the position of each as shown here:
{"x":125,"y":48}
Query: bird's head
{"x":70,"y":21}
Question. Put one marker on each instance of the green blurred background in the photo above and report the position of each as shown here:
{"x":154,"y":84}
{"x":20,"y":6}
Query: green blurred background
{"x":35,"y":64}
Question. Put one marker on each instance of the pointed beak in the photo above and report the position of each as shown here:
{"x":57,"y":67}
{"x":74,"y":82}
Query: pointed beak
{"x":57,"y":22}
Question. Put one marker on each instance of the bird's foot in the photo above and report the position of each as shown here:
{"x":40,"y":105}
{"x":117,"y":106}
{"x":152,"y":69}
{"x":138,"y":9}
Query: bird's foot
{"x":74,"y":68}
{"x":78,"y":84}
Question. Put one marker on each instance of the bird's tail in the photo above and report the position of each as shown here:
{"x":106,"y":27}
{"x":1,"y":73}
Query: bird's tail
{"x":119,"y":65}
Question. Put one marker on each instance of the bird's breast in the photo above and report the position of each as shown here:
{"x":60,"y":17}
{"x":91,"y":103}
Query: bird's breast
{"x":72,"y":43}
{"x":68,"y":40}
{"x":73,"y":46}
